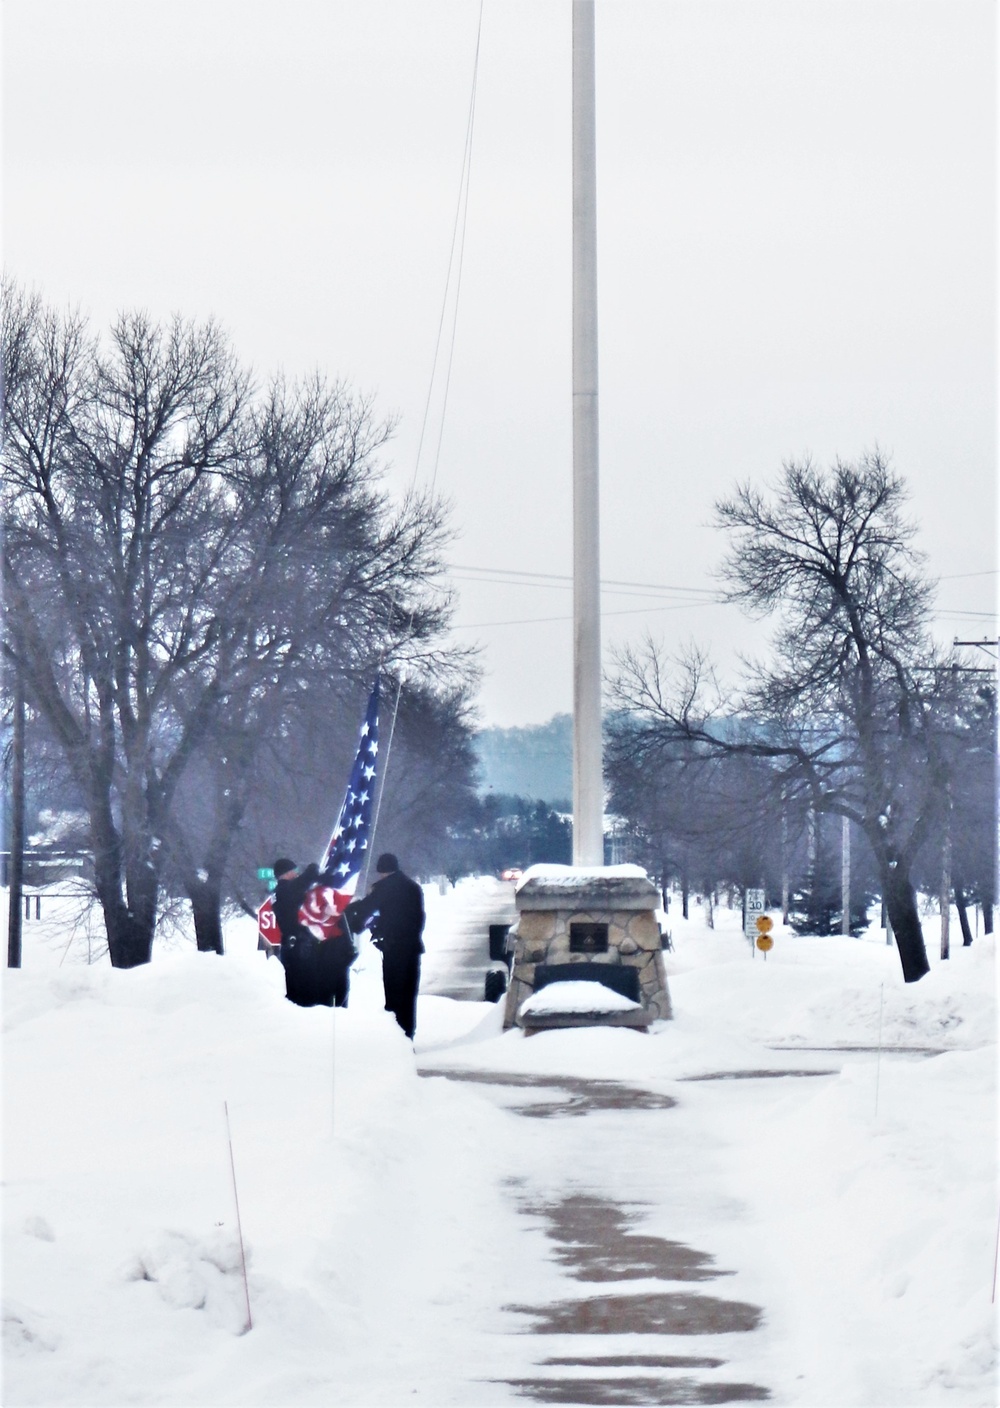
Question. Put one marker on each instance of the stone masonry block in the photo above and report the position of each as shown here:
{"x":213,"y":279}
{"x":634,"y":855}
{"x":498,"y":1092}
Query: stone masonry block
{"x":645,"y":931}
{"x":536,"y":928}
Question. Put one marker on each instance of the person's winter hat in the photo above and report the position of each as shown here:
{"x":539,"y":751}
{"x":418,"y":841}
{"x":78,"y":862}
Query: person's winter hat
{"x":282,"y":865}
{"x":386,"y":863}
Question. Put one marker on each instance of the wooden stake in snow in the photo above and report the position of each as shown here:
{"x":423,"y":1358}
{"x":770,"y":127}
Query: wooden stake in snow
{"x":239,"y":1225}
{"x":878,"y":1058}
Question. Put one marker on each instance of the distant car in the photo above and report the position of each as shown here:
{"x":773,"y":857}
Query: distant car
{"x":514,"y":875}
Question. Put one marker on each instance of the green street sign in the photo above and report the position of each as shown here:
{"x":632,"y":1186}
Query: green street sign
{"x":264,"y":872}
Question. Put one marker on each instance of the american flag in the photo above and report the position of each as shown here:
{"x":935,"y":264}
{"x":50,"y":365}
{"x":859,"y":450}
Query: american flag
{"x":347,"y":849}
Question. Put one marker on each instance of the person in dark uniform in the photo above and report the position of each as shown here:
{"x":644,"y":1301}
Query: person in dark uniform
{"x":316,"y":971}
{"x":393,"y":912}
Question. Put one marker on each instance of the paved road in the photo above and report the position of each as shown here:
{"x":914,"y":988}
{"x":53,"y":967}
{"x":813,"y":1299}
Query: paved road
{"x":457,"y":936}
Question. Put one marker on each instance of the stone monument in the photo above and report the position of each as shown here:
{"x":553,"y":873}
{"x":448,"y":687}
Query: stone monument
{"x":568,"y":916}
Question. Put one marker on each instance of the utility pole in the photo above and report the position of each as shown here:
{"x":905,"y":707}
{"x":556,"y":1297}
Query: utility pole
{"x":588,"y":771}
{"x":992,"y":648}
{"x":15,"y":861}
{"x":845,"y":876}
{"x":945,"y":900}
{"x":784,"y":860}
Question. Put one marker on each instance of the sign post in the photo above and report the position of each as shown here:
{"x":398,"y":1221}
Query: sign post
{"x":268,"y":937}
{"x":753,"y":908}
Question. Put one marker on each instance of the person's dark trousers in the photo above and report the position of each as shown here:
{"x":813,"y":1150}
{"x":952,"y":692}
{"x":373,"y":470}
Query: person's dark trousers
{"x":297,"y":956}
{"x":317,"y":974}
{"x":401,"y":979}
{"x":332,"y":973}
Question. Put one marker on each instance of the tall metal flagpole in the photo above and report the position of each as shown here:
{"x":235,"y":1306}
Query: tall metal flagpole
{"x":588,"y":781}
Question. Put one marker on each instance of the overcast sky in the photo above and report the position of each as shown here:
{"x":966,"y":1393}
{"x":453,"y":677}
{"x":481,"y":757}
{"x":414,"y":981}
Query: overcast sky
{"x":797,"y":256}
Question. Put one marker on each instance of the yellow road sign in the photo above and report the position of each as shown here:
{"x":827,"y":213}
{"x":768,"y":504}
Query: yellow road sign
{"x":764,"y":943}
{"x":765,"y":924}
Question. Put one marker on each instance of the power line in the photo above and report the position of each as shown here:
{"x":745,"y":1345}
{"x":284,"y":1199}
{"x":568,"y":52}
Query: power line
{"x":628,"y":611}
{"x":666,"y":594}
{"x":527,"y":578}
{"x":562,"y":579}
{"x":647,"y":610}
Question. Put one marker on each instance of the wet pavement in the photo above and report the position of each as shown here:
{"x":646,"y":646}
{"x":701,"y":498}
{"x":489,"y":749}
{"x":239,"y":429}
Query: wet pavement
{"x":872,"y":1050}
{"x":757,"y":1075}
{"x":595,"y":1240}
{"x":664,"y":1313}
{"x":556,"y":1096}
{"x":578,"y":1392}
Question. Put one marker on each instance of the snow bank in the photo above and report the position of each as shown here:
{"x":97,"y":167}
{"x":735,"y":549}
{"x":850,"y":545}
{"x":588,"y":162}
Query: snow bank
{"x":365,"y":1217}
{"x":852,"y":1191}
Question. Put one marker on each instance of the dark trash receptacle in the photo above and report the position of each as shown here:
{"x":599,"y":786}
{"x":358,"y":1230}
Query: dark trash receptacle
{"x":496,"y":985}
{"x":498,"y":943}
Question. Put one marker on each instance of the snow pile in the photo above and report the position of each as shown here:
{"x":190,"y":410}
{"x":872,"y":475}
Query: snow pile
{"x":123,"y":1276}
{"x":851,"y":1189}
{"x":572,"y":876}
{"x":577,"y":997}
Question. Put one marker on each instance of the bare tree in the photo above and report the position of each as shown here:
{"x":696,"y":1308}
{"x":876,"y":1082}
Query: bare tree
{"x":853,"y":711}
{"x":701,"y":816}
{"x":199,"y":582}
{"x":965,"y":850}
{"x":328,"y":583}
{"x":115,"y":539}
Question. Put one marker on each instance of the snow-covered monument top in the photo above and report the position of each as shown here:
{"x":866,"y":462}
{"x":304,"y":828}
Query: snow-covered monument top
{"x":571,"y":917}
{"x":547,"y":886}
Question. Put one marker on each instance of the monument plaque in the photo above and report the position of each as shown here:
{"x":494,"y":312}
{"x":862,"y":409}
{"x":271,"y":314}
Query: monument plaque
{"x":588,"y":938}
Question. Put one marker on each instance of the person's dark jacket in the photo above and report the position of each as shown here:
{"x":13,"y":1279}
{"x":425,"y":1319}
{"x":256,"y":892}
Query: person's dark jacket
{"x":288,"y":897}
{"x":316,"y":970}
{"x":393,"y":910}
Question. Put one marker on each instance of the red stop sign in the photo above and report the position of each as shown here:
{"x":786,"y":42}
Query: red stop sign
{"x":267,"y":924}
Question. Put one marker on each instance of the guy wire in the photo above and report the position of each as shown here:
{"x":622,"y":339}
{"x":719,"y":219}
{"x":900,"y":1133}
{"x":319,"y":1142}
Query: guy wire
{"x":457,"y":239}
{"x":459,"y":224}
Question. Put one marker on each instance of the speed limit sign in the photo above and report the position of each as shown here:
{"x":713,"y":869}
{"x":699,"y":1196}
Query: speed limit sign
{"x":753,"y":908}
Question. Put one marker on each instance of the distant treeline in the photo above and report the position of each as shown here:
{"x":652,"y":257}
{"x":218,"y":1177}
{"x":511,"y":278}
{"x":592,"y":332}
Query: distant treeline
{"x":535,"y":761}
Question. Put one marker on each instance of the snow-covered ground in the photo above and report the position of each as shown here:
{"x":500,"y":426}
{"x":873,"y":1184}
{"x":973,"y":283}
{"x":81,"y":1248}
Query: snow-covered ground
{"x":389,"y":1217}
